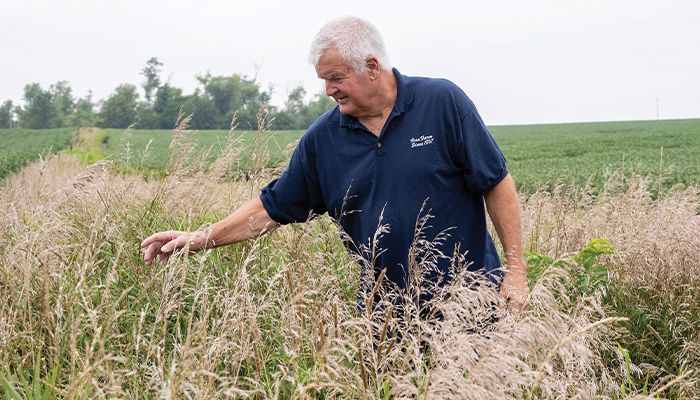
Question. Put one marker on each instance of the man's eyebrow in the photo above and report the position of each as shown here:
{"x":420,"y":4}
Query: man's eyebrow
{"x":332,"y":75}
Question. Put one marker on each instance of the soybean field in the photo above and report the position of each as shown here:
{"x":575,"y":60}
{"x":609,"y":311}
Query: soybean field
{"x":18,"y":146}
{"x":539,"y":155}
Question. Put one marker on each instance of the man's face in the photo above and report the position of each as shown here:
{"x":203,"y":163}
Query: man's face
{"x":352,"y":91}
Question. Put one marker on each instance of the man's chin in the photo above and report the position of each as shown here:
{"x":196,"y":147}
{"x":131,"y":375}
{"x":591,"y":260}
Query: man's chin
{"x":345,"y":109}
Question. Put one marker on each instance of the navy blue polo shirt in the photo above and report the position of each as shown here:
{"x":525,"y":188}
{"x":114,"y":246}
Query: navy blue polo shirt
{"x":434,"y":157}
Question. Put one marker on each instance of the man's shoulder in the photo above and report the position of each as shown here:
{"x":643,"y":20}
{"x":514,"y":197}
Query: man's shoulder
{"x":437,"y":96}
{"x":323,"y":126}
{"x":429,"y":85}
{"x":436,"y":91}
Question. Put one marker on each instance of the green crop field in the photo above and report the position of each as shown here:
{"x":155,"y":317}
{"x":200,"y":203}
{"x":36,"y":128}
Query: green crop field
{"x":538,"y":155}
{"x":575,"y":153}
{"x":18,"y":146}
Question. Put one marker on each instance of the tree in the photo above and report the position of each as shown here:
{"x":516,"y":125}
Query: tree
{"x":83,"y":113}
{"x":290,"y":115}
{"x":167,"y":106}
{"x":295,"y":100}
{"x":205,"y":115}
{"x":283,"y":120}
{"x":63,"y":100}
{"x":233,"y":94}
{"x":50,"y":108}
{"x":152,"y":74}
{"x":314,"y":109}
{"x":6,"y":114}
{"x":146,"y":118}
{"x":300,"y":115}
{"x":119,"y":110}
{"x":163,"y":112}
{"x":39,"y":111}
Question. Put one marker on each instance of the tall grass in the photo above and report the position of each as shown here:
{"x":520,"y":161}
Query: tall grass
{"x":655,"y":268}
{"x":81,"y":316}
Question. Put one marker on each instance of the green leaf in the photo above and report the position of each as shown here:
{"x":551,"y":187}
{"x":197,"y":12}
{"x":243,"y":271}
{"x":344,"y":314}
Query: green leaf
{"x":10,"y":391}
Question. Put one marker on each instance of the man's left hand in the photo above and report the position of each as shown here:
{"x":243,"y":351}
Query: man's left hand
{"x":514,"y":289}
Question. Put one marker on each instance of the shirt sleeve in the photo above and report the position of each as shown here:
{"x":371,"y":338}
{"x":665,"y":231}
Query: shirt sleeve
{"x":295,"y":196}
{"x":478,"y":154}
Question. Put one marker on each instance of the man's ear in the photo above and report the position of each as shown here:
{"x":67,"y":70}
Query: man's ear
{"x":372,"y":65}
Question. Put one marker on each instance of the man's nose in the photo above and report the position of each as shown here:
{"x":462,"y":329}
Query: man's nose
{"x":330,"y":88}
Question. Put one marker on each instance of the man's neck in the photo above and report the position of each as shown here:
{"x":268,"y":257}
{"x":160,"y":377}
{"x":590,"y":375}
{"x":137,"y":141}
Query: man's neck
{"x":387,"y":93}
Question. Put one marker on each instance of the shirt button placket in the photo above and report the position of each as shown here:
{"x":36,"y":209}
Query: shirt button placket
{"x":380,"y":152}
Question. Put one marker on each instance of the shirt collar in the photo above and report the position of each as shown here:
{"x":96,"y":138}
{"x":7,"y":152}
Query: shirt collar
{"x":404,"y":98}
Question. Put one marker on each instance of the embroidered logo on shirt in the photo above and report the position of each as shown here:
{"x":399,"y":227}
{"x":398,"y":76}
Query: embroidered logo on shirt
{"x":422,"y":140}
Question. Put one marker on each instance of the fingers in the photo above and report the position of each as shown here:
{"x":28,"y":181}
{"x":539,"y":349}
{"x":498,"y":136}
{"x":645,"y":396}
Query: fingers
{"x":163,"y":244}
{"x":515,"y":299}
{"x":519,"y":303}
{"x":162,"y":237}
{"x":174,"y":244}
{"x":150,"y":252}
{"x":157,"y":245}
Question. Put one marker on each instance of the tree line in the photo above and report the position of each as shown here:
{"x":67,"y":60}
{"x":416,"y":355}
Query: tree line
{"x":213,"y":105}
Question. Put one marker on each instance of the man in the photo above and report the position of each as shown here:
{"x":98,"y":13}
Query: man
{"x":395,"y":149}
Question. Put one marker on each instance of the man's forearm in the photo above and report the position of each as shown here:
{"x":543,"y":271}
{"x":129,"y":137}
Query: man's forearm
{"x":504,"y":210}
{"x":249,"y":221}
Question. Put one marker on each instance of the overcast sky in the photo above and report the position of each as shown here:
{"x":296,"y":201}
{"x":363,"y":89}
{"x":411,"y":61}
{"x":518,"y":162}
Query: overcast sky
{"x":520,"y":61}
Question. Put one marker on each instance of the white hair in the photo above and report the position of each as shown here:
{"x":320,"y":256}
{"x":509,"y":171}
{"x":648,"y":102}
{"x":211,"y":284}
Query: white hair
{"x":355,"y":39}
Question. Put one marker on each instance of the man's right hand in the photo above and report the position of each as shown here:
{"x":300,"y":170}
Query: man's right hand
{"x":249,"y":221}
{"x":163,"y":244}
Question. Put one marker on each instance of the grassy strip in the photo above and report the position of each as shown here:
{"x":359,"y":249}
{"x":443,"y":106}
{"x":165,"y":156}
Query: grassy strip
{"x":89,"y":145}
